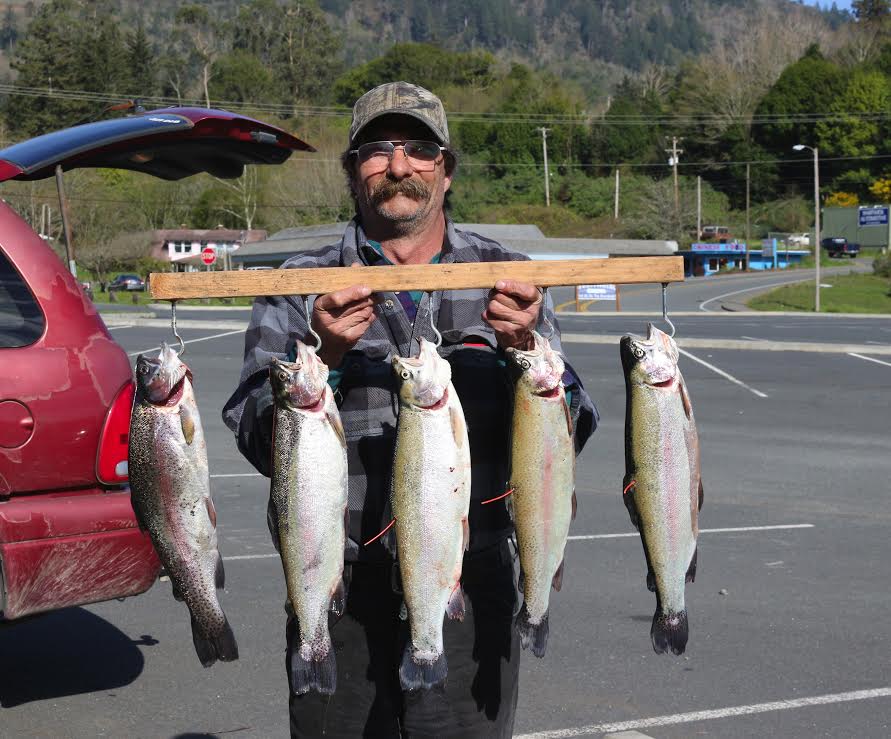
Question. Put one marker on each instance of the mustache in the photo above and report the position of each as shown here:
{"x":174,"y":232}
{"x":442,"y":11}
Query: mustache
{"x":388,"y":188}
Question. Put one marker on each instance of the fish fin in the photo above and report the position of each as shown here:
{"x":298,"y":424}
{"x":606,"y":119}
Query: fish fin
{"x":414,"y":675}
{"x":403,"y":612}
{"x":691,"y":570}
{"x":557,"y":580}
{"x":313,"y":667}
{"x":338,"y":599}
{"x":568,"y":415}
{"x":455,"y":607}
{"x":701,"y":494}
{"x":220,"y":647}
{"x":534,"y":636}
{"x":628,"y":485}
{"x":669,"y":631}
{"x":219,"y":573}
{"x":334,"y":419}
{"x":651,"y":579}
{"x":177,"y":593}
{"x":685,"y":399}
{"x":187,"y":422}
{"x":396,"y":580}
{"x":211,"y":510}
{"x":575,"y":505}
{"x":459,"y":430}
{"x":465,"y":533}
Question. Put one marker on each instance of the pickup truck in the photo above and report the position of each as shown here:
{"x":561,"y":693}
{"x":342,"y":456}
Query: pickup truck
{"x":840,"y":247}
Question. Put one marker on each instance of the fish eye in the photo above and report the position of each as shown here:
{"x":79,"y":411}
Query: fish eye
{"x":638,"y":352}
{"x":405,"y":374}
{"x":144,"y":369}
{"x":525,"y":363}
{"x":283,"y":376}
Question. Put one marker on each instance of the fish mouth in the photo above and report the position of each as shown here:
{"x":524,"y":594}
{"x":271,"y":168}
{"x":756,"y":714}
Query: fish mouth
{"x":176,"y":392}
{"x":551,"y":393}
{"x":665,"y":384}
{"x":441,"y":403}
{"x":314,"y":407}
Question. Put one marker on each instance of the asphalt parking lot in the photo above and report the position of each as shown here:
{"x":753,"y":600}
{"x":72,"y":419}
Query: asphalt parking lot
{"x":789,"y":627}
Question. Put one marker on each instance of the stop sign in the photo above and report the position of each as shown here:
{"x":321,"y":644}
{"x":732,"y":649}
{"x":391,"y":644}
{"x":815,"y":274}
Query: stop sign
{"x":208,"y":255}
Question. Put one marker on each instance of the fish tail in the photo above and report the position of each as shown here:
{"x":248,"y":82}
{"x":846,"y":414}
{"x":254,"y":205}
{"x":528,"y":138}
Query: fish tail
{"x":669,"y":631}
{"x":534,"y":636}
{"x":313,"y":667}
{"x":222,"y":646}
{"x":415,"y":673}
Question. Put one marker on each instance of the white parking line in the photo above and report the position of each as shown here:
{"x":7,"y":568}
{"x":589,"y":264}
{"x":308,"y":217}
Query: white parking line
{"x":115,"y":328}
{"x":750,"y":338}
{"x":239,"y":474}
{"x":587,"y":537}
{"x":762,"y":286}
{"x":190,"y":341}
{"x":693,"y":716}
{"x":869,"y":359}
{"x":723,"y":374}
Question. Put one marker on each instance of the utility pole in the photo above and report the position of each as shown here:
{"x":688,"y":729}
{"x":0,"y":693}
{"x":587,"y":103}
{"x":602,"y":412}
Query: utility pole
{"x":748,"y":220}
{"x":698,"y":207}
{"x":616,"y":209}
{"x":544,"y":149}
{"x":817,"y":225}
{"x":673,"y":161}
{"x":66,"y":222}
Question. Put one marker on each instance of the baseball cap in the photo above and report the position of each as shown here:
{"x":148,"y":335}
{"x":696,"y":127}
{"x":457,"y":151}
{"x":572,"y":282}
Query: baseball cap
{"x":401,"y":98}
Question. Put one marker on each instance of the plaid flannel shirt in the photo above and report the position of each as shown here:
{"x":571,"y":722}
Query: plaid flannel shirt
{"x":367,"y":396}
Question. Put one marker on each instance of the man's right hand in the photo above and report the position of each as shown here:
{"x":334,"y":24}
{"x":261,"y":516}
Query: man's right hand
{"x":340,"y":319}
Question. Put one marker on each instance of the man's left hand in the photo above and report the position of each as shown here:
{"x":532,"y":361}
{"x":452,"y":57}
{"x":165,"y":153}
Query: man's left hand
{"x":512,"y":313}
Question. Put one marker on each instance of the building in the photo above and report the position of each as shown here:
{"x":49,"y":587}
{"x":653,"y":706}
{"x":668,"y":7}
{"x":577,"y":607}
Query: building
{"x":867,"y":225}
{"x":703,"y":259}
{"x":183,"y":246}
{"x":527,"y":239}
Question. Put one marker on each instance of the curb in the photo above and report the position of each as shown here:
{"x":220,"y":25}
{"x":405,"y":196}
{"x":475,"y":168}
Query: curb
{"x":738,"y":344}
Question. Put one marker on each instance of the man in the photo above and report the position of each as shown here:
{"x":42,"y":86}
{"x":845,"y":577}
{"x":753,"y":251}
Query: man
{"x":400,"y":167}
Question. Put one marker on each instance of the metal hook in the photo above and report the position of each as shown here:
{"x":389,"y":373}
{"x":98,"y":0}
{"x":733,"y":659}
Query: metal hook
{"x":544,"y":314}
{"x":309,"y":323}
{"x":432,"y":322}
{"x":182,"y":344}
{"x":665,"y":309}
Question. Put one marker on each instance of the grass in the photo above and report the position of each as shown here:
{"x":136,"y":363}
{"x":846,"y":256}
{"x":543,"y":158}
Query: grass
{"x":851,"y":293}
{"x":144,"y":298}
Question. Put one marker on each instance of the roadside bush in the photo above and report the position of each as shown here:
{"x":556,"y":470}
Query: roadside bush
{"x":881,"y":265}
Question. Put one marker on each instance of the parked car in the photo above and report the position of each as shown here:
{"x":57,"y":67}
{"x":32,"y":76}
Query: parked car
{"x":799,"y":239}
{"x":127,"y":282}
{"x":68,"y":534}
{"x":838,"y":246}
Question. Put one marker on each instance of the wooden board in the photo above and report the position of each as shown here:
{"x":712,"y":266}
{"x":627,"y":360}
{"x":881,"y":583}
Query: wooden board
{"x":426,"y":277}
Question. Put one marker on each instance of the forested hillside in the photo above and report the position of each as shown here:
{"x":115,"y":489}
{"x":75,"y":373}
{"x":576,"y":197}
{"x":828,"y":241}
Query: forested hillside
{"x":736,"y":83}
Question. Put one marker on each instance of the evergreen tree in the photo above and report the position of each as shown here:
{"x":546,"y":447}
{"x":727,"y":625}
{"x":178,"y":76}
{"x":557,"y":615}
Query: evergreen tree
{"x":9,"y":31}
{"x":141,"y":63}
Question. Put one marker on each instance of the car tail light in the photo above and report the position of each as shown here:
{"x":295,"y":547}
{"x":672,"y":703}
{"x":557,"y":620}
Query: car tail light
{"x":114,"y":446}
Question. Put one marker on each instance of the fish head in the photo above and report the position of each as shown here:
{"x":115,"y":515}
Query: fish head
{"x":160,"y":380}
{"x":652,"y":360}
{"x":423,"y":381}
{"x":540,"y":368}
{"x":301,"y":383}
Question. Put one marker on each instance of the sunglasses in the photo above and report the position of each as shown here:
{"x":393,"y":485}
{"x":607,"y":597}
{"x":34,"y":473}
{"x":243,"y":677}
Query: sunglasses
{"x":420,"y":154}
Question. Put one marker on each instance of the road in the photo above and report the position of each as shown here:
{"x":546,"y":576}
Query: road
{"x":790,"y":604}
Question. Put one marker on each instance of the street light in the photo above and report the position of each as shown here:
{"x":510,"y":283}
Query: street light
{"x":802,"y":147}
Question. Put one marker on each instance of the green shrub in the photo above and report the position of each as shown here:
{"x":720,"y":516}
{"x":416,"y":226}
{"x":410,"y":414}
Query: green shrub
{"x":881,"y":265}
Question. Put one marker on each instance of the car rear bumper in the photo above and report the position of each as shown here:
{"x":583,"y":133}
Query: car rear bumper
{"x":60,"y":550}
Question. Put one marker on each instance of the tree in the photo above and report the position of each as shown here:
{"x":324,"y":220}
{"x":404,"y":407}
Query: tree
{"x":852,"y":130}
{"x":206,"y":38}
{"x":871,"y":11}
{"x":141,"y":62}
{"x":9,"y":31}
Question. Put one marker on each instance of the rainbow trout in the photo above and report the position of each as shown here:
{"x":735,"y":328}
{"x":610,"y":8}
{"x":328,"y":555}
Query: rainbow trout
{"x":170,"y":491}
{"x":662,"y":486}
{"x":309,"y":494}
{"x":542,"y":478}
{"x":430,"y":497}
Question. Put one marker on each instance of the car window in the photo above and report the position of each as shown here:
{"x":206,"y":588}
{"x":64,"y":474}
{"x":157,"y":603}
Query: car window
{"x":21,"y":320}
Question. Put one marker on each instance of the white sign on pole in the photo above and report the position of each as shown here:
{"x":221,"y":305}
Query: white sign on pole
{"x":597,"y":292}
{"x":768,"y":246}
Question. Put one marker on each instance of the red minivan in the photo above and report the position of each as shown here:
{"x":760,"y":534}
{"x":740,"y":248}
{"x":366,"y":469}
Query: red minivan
{"x":68,"y":535}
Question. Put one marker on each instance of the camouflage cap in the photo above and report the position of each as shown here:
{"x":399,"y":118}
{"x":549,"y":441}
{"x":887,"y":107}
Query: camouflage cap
{"x":401,"y":98}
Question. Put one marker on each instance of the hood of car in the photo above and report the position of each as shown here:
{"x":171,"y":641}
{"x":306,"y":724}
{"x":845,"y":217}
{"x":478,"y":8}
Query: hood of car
{"x":170,"y":143}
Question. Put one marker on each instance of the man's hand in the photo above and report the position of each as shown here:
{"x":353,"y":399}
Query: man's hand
{"x":340,"y":319}
{"x":513,"y":312}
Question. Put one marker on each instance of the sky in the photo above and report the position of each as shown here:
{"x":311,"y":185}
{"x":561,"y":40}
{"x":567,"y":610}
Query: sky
{"x":842,"y":4}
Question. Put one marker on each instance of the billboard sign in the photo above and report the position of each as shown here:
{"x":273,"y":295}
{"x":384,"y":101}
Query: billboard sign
{"x":597,"y":292}
{"x":732,"y":248}
{"x":768,"y":247}
{"x":873,"y":216}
